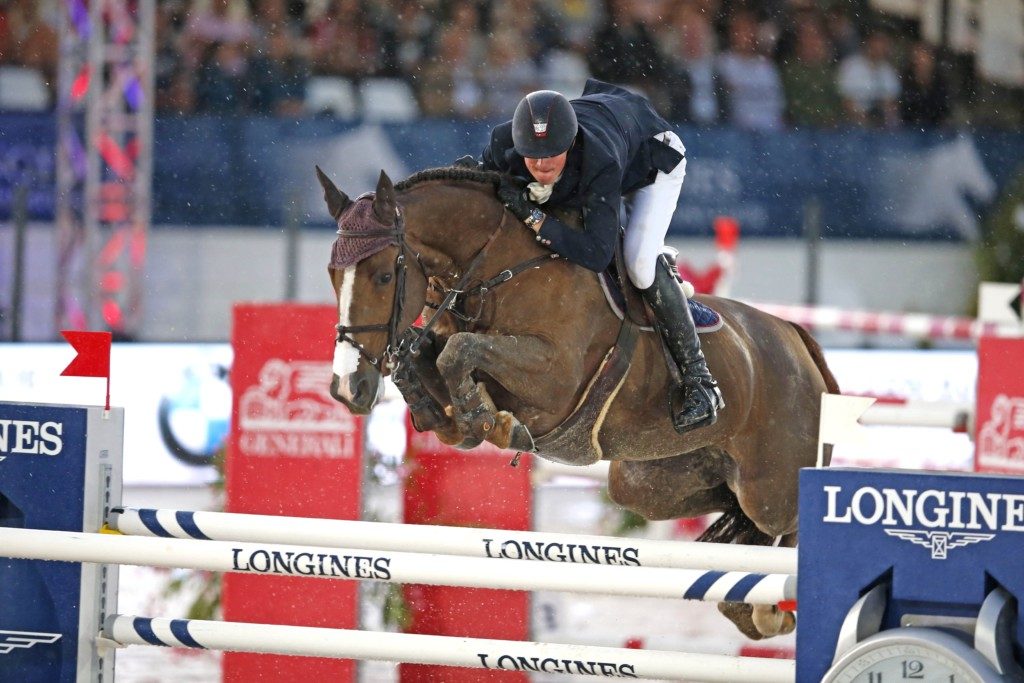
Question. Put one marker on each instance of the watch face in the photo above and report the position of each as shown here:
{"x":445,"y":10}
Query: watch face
{"x":910,"y":654}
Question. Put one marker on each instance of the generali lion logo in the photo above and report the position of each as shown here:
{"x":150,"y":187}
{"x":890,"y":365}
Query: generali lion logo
{"x":289,"y":412}
{"x":1001,"y":436}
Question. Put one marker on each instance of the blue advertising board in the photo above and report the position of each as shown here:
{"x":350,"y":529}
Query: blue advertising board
{"x":211,"y":170}
{"x":60,"y":469}
{"x":940,"y":543}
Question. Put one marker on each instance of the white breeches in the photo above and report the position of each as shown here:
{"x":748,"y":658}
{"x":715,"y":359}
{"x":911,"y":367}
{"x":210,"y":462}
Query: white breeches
{"x":653,"y":207}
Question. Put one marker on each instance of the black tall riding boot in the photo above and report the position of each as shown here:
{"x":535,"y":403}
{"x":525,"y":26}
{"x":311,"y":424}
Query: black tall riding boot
{"x":701,"y":398}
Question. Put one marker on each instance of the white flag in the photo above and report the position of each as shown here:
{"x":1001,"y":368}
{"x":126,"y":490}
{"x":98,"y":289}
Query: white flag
{"x":839,"y":421}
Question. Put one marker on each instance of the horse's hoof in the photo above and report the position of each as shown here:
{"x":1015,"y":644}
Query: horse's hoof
{"x":429,"y":419}
{"x":449,"y":435}
{"x":522,"y":440}
{"x":770,"y":621}
{"x":510,"y":433}
{"x":740,"y":614}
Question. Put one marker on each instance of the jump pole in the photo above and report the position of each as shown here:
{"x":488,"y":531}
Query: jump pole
{"x":446,"y":540}
{"x":397,"y":567}
{"x":507,"y":655}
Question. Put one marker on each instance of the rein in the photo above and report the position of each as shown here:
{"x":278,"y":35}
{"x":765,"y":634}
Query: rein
{"x":484,"y":287}
{"x":411,"y":340}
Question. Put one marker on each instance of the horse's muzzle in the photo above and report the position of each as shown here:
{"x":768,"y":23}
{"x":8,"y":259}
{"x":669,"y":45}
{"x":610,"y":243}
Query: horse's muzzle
{"x":358,"y":391}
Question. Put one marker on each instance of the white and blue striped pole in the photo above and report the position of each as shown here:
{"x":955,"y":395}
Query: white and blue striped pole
{"x":444,"y":540}
{"x":504,"y":655}
{"x":397,"y":567}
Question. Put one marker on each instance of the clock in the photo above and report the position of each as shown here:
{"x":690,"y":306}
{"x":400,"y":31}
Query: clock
{"x":933,"y":654}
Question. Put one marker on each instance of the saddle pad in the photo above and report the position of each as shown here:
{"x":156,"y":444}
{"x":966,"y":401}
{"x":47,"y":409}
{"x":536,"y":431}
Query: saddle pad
{"x":705,"y":318}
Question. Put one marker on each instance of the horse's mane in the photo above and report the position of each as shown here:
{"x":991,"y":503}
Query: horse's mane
{"x":454,"y":173}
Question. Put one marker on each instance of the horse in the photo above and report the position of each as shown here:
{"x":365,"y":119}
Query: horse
{"x":517,"y":342}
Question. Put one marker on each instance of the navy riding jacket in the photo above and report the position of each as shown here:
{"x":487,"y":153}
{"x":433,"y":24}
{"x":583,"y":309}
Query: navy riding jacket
{"x":613,"y":155}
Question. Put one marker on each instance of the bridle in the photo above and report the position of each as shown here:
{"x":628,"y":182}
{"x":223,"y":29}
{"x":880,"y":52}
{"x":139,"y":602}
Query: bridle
{"x":345,"y":332}
{"x":410,"y":340}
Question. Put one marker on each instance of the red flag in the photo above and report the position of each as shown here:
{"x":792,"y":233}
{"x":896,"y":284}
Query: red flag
{"x":93,"y":359}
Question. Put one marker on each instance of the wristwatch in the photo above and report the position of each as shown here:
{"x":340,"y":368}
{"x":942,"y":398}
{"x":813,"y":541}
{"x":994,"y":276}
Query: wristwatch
{"x":935,"y":652}
{"x":535,"y":217}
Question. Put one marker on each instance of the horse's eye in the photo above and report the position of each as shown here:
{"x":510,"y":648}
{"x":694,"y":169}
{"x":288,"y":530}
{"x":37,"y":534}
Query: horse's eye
{"x":385,"y":278}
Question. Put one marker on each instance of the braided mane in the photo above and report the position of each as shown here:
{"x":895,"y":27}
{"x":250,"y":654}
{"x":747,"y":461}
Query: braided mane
{"x":450,"y":173}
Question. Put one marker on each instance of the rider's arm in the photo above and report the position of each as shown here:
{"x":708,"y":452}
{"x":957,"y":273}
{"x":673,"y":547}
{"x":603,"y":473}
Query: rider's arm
{"x":493,"y":157}
{"x":594,"y":246}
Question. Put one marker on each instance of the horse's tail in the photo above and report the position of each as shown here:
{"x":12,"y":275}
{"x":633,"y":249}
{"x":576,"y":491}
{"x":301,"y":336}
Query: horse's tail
{"x":733,"y":526}
{"x":814,"y":348}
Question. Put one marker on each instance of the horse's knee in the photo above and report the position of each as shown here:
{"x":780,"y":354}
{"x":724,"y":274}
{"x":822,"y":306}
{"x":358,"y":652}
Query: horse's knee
{"x":456,"y":355}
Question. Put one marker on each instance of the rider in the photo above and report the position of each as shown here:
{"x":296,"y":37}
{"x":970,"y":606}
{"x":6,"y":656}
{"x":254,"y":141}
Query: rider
{"x":586,"y":154}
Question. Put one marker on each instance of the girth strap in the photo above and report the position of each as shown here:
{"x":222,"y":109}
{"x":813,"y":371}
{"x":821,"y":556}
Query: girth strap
{"x":575,"y":441}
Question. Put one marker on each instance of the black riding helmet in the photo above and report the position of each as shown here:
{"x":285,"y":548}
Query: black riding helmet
{"x":544,"y":125}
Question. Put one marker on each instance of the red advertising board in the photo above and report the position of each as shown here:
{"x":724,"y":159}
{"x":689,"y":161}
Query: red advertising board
{"x":999,"y":417}
{"x":293,"y":451}
{"x":465,"y":488}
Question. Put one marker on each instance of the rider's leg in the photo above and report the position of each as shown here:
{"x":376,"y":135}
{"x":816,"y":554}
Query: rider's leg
{"x":701,"y":396}
{"x":649,"y":219}
{"x":649,"y":270}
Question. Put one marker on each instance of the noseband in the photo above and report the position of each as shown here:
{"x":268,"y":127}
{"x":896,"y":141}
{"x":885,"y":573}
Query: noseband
{"x":411,"y":339}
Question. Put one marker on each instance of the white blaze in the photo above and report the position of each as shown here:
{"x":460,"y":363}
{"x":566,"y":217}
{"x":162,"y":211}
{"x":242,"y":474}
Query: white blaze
{"x":346,"y":357}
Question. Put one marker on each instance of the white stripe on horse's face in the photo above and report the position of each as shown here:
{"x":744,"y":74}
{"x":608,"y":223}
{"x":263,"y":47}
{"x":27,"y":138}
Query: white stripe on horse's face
{"x":346,"y":357}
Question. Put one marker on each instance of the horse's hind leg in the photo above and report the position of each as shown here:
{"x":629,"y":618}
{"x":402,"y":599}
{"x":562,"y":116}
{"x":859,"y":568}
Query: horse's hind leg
{"x":691,"y":485}
{"x":760,"y":621}
{"x":687,"y":485}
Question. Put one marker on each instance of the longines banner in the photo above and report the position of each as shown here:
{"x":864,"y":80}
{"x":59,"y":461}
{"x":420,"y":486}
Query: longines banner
{"x":293,"y":451}
{"x":940,"y":541}
{"x":60,"y":465}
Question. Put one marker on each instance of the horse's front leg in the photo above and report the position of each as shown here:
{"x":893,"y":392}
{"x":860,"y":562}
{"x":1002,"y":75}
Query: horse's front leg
{"x":518,"y":363}
{"x":426,"y":393}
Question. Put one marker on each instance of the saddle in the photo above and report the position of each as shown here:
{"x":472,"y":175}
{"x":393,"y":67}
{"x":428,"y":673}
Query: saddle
{"x":706,"y":318}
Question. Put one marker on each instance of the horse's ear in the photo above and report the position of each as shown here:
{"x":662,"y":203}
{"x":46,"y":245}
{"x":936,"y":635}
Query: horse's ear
{"x":336,"y":200}
{"x":384,"y":200}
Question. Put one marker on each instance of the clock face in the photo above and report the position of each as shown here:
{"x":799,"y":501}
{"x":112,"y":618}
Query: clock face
{"x":905,"y":663}
{"x":913,"y":655}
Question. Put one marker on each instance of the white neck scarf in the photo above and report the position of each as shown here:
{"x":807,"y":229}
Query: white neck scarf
{"x":540,"y":193}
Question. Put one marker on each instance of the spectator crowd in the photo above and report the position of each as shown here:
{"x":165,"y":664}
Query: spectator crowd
{"x":751,"y":64}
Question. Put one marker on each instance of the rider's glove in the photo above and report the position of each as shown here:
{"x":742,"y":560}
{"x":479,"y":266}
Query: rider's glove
{"x":467,"y":161}
{"x":514,"y":197}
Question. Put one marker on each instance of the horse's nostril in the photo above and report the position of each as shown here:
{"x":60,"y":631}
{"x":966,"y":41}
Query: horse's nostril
{"x":336,"y":388}
{"x":359,"y":391}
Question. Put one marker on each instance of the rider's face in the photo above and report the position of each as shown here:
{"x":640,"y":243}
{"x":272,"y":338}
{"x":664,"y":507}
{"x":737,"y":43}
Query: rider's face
{"x":546,"y":170}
